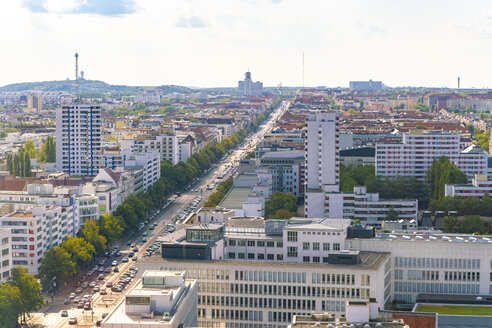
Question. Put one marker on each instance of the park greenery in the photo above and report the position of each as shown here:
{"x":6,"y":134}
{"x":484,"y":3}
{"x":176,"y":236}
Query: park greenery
{"x":469,"y":224}
{"x":222,"y":190}
{"x":19,"y":296}
{"x":19,"y":164}
{"x":280,"y":206}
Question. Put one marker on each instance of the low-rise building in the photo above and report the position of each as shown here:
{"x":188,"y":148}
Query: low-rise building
{"x":481,"y":184}
{"x":161,"y":299}
{"x":367,"y":207}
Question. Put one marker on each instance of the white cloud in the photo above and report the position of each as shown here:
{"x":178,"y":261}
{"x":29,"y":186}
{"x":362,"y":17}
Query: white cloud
{"x":191,"y":22}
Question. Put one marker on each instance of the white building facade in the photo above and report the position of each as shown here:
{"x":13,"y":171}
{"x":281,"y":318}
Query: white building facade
{"x":5,"y":254}
{"x":417,"y":152}
{"x":78,"y":139}
{"x":34,"y":232}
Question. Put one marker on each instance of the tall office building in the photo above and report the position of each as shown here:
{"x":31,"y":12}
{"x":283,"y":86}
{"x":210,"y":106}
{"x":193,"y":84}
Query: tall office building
{"x":248,"y":87}
{"x":34,"y":102}
{"x":78,"y":139}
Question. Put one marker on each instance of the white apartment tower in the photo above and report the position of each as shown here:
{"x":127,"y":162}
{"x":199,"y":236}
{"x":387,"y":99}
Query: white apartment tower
{"x":78,"y":139}
{"x":322,"y":154}
{"x":322,"y":165}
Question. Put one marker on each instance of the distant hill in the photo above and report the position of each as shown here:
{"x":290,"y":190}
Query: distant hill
{"x":88,"y":86}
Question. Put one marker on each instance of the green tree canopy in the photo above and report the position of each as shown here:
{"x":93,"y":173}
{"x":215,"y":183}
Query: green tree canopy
{"x":81,"y":252}
{"x":90,"y":233}
{"x":56,"y":263}
{"x":280,"y":201}
{"x":10,"y":305}
{"x":30,"y":290}
{"x":110,"y":227}
{"x":442,"y":172}
{"x":391,"y":215}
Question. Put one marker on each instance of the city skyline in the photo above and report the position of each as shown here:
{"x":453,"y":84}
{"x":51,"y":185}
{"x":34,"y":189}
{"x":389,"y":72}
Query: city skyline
{"x":212,"y":44}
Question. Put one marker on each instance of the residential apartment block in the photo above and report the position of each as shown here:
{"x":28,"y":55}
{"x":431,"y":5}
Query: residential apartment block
{"x":5,"y":254}
{"x":417,"y":152}
{"x":78,"y":139}
{"x":34,"y":232}
{"x":162,"y":140}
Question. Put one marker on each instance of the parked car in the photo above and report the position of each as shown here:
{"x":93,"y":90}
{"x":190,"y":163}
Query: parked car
{"x":107,"y":270}
{"x":92,"y":284}
{"x":134,"y":258}
{"x":116,"y":269}
{"x":84,"y":285}
{"x":76,"y":299}
{"x":131,"y":254}
{"x":109,"y":284}
{"x":144,"y":240}
{"x":114,"y":263}
{"x":67,"y":301}
{"x":102,"y":291}
{"x":80,"y":305}
{"x":72,"y":296}
{"x":102,"y":261}
{"x":78,"y":290}
{"x":87,"y":306}
{"x":72,"y":321}
{"x":100,"y":277}
{"x":95,"y":289}
{"x":64,"y":313}
{"x":101,"y":269}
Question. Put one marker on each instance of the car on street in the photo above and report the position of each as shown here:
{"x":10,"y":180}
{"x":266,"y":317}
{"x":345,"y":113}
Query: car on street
{"x":84,"y":285}
{"x":72,"y":296}
{"x":131,"y":254}
{"x":116,"y":269}
{"x":125,"y":259}
{"x":87,"y":306}
{"x":92,"y":284}
{"x":95,"y":289}
{"x":114,"y":263}
{"x":144,"y":240}
{"x":67,"y":301}
{"x":109,"y":284}
{"x":72,"y":321}
{"x":102,"y":261}
{"x":80,"y":305}
{"x":101,"y":269}
{"x":107,"y":270}
{"x":76,"y":299}
{"x":100,"y":277}
{"x":135,"y":249}
{"x":102,"y":291}
{"x":64,"y":313}
{"x":134,"y":258}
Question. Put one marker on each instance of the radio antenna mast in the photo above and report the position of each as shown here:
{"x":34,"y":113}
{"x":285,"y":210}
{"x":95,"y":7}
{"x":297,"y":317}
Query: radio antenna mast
{"x":303,"y":69}
{"x":77,"y":92}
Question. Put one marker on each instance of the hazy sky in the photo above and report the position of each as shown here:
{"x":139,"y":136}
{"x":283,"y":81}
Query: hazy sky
{"x":213,"y":42}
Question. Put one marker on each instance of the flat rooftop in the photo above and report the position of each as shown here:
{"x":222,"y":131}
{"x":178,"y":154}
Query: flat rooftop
{"x":21,"y":215}
{"x":368,"y":261}
{"x":120,"y":317}
{"x":235,"y":198}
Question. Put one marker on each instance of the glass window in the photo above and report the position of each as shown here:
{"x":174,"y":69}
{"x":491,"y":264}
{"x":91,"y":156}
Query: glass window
{"x":315,"y":246}
{"x":292,"y":236}
{"x":305,"y":246}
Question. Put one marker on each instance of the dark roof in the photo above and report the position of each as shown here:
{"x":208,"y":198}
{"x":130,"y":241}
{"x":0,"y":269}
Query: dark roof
{"x":67,"y":182}
{"x":114,"y":175}
{"x":219,"y":120}
{"x":361,"y":151}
